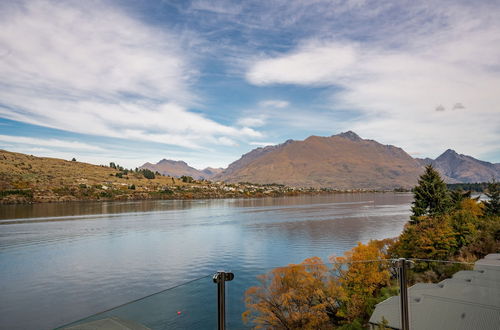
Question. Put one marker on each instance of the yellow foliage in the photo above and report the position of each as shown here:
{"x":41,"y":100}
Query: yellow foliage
{"x":366,"y":273}
{"x":472,"y":206}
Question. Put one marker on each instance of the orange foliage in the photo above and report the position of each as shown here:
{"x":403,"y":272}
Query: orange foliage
{"x":312,"y":296}
{"x":302,"y":296}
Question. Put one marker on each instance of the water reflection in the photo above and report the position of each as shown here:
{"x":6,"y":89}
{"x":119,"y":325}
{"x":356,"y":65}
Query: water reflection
{"x":60,"y":262}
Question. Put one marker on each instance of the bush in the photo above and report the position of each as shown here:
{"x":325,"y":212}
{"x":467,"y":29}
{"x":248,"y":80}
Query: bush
{"x":148,"y":174}
{"x":187,"y":179}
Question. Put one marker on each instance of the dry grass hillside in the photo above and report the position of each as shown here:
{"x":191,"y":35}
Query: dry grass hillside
{"x":24,"y":177}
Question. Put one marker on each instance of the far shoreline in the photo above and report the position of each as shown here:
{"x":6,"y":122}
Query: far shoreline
{"x":185,"y":197}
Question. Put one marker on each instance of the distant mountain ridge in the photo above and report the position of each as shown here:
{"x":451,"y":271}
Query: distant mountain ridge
{"x":178,"y":168}
{"x":462,"y":168}
{"x":342,"y":161}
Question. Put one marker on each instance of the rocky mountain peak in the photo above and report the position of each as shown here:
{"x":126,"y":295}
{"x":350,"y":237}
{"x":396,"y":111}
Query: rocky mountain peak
{"x":350,"y":135}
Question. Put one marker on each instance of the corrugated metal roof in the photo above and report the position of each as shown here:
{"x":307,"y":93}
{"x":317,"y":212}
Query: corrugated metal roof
{"x":469,"y":300}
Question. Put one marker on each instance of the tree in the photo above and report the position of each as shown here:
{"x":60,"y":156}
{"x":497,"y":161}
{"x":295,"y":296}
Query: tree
{"x":187,"y":179}
{"x":431,"y":196}
{"x":457,"y":196}
{"x":148,"y":174}
{"x":311,"y":296}
{"x":492,"y":205}
{"x":112,"y":165}
{"x":464,"y":221}
{"x":73,"y":160}
{"x":302,"y":296}
{"x":366,"y":273}
{"x":430,"y":238}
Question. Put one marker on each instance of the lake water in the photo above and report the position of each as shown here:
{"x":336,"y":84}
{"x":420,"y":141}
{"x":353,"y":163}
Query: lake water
{"x":62,"y":262}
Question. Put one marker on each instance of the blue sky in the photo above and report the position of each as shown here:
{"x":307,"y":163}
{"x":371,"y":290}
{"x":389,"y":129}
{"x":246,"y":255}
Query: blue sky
{"x":207,"y":81}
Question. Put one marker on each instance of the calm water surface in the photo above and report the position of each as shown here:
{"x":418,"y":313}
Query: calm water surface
{"x":62,"y":262}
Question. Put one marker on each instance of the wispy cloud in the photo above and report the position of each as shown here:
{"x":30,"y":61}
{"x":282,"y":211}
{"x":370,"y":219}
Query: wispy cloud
{"x":262,"y":144}
{"x":311,"y":64}
{"x":92,"y":69}
{"x":53,"y":143}
{"x":274,"y":104}
{"x":252,"y":121}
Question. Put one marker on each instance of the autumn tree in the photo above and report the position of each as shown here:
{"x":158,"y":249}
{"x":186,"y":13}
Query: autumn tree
{"x":464,"y":221}
{"x":362,"y":273}
{"x":303,"y":296}
{"x":431,"y":196}
{"x":312,"y":296}
{"x":430,"y":238}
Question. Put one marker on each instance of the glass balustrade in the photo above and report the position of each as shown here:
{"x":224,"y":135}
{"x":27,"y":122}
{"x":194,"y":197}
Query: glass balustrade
{"x":355,"y":295}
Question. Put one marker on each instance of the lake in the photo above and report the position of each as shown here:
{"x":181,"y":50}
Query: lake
{"x":62,"y":262}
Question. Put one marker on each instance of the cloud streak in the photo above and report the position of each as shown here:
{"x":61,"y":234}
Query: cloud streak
{"x":90,"y":68}
{"x":53,"y":143}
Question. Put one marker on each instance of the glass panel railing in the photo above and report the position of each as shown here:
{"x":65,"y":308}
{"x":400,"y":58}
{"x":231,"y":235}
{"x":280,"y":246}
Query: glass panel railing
{"x":314,"y":295}
{"x":355,"y":294}
{"x":192,"y":305}
{"x":455,"y":295}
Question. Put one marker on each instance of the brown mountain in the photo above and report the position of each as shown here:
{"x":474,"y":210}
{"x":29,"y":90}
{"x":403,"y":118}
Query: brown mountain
{"x":343,"y":161}
{"x":463,"y":168}
{"x":179,"y":168}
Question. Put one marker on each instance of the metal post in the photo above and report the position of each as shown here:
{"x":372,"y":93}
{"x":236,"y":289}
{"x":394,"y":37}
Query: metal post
{"x":220,"y":278}
{"x":403,"y":288}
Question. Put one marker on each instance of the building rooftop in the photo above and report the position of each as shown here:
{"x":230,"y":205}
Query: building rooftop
{"x":468,"y":300}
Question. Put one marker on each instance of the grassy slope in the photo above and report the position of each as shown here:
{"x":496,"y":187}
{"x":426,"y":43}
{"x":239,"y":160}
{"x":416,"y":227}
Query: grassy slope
{"x":50,"y":179}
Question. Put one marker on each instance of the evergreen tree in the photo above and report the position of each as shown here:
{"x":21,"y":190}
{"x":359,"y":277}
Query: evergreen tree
{"x":458,"y":196}
{"x":493,"y":203}
{"x":431,"y":196}
{"x":148,"y":174}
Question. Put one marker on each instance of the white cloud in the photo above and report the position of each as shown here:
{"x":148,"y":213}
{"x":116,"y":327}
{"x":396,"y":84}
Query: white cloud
{"x":313,"y":63}
{"x":262,"y":144}
{"x":54,"y":143}
{"x":274,"y":104}
{"x":252,"y":121}
{"x":399,"y":88}
{"x":91,"y":69}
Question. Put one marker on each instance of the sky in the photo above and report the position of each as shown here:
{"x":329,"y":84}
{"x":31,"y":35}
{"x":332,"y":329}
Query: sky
{"x":206,"y":81}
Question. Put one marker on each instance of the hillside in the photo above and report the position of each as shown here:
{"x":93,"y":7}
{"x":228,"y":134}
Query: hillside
{"x":343,"y":161}
{"x":458,"y":168}
{"x":28,"y":179}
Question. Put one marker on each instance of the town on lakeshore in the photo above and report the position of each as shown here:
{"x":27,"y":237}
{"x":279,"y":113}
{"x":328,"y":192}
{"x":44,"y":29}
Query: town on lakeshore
{"x":340,"y":163}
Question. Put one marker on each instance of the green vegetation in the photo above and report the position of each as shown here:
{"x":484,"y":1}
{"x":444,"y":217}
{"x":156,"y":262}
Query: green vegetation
{"x":492,"y":205}
{"x":148,"y":174}
{"x":431,"y":196}
{"x":476,"y":187}
{"x":187,"y":179}
{"x":20,"y":192}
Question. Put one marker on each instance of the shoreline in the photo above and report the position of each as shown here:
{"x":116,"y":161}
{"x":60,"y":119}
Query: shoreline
{"x":155,"y":196}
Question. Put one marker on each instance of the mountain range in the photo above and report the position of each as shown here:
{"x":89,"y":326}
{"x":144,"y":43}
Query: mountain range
{"x":342,"y":161}
{"x":178,"y":168}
